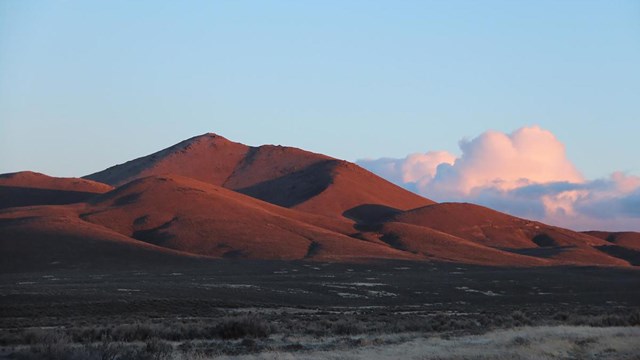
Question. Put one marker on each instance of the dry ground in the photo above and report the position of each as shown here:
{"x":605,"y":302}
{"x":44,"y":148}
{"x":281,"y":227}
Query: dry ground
{"x":261,"y":309}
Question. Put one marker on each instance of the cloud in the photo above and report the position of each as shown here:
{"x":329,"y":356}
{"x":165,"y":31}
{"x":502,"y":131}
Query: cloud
{"x":525,"y":173}
{"x":413,"y":169}
{"x":529,"y":155}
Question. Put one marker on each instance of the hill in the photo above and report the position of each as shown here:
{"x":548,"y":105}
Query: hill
{"x":208,"y":197}
{"x":497,"y":230}
{"x":284,"y":176}
{"x":188,"y":215}
{"x":30,"y":188}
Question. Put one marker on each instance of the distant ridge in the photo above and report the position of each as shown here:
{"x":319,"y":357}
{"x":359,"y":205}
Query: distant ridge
{"x":30,"y":179}
{"x":622,"y":238}
{"x":30,"y":188}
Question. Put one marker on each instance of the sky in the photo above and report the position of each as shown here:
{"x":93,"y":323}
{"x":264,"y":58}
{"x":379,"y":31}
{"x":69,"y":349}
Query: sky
{"x":88,"y":84}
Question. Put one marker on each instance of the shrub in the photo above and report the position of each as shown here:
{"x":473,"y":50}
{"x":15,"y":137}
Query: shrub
{"x":345,"y":327}
{"x":238,"y":328}
{"x":52,"y":345}
{"x":521,"y":341}
{"x":155,"y":349}
{"x":132,"y":332}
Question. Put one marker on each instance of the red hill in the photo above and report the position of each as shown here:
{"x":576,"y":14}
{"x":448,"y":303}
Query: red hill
{"x":336,"y":188}
{"x":211,"y":197}
{"x":30,"y":188}
{"x":34,"y":180}
{"x":44,"y":236}
{"x":488,"y":227}
{"x":187,"y":215}
{"x":285,"y":176}
{"x":210,"y":158}
{"x":623,"y":238}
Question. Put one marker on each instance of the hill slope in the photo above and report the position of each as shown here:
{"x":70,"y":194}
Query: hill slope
{"x":623,"y":238}
{"x":488,"y":227}
{"x":30,"y":188}
{"x":44,"y":236}
{"x":280,"y":175}
{"x":335,"y":188}
{"x":187,"y":215}
{"x":209,"y":158}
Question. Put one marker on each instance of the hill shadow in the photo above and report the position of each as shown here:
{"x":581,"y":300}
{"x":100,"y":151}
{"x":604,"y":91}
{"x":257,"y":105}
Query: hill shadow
{"x":370,"y":214}
{"x":13,"y":196}
{"x":294,"y":188}
{"x":630,"y":255}
{"x":155,"y":235}
{"x":544,"y":240}
{"x":540,"y":252}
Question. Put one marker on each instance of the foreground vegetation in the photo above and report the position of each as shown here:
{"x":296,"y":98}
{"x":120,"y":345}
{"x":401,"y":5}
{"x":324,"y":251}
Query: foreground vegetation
{"x":555,"y":342}
{"x":292,"y":310}
{"x":247,"y":332}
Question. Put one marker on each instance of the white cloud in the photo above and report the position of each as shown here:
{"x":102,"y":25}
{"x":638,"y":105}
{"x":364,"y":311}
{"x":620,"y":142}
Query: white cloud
{"x":415,"y":168}
{"x":525,"y":173}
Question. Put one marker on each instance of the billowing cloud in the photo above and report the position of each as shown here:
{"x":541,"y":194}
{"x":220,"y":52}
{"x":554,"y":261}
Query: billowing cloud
{"x":414,"y":169}
{"x":525,"y":173}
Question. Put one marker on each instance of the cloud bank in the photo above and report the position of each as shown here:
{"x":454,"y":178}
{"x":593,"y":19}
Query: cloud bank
{"x":525,"y":173}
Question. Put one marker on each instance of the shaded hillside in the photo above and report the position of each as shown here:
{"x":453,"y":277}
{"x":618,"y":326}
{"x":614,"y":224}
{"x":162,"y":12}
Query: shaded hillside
{"x":30,"y":188}
{"x":335,"y":188}
{"x":627,"y":239}
{"x":269,"y":162}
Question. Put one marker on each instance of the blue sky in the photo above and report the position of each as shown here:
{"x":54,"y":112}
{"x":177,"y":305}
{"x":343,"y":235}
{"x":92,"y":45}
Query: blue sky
{"x":88,"y":84}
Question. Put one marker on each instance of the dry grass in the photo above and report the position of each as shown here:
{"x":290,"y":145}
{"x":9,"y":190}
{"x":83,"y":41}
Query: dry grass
{"x":528,"y":343}
{"x":542,"y":342}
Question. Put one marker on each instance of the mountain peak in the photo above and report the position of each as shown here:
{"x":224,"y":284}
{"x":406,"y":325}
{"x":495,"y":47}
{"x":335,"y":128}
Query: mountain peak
{"x":208,"y":157}
{"x":209,"y":136}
